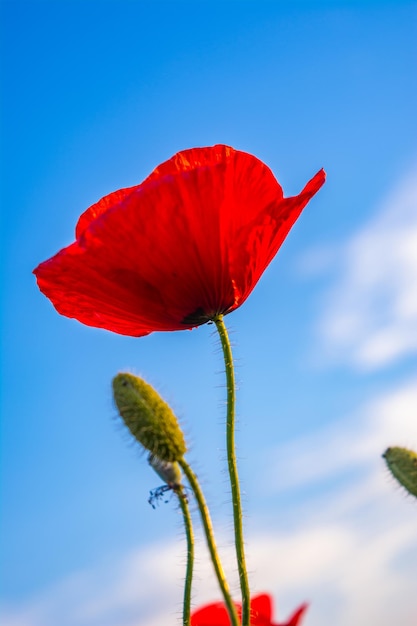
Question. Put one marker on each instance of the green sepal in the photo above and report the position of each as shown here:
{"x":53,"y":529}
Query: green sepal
{"x":169,"y":472}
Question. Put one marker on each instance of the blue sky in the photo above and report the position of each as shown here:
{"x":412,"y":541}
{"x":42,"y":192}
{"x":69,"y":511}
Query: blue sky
{"x":94,"y":96}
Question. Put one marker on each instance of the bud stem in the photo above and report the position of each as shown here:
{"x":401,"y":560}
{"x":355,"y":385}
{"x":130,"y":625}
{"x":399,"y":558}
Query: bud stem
{"x":208,"y":529}
{"x":231,"y":460}
{"x":186,"y":613}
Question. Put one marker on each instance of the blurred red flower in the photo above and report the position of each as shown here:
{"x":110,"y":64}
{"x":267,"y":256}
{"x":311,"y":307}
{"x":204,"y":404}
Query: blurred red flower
{"x":187,"y":244}
{"x":261,"y":614}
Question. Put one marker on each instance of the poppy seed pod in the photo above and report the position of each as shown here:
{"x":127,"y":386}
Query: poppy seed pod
{"x":402,"y":464}
{"x":148,"y":417}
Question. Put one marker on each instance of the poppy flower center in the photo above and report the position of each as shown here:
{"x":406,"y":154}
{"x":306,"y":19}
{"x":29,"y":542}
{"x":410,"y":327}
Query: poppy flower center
{"x":200,"y":316}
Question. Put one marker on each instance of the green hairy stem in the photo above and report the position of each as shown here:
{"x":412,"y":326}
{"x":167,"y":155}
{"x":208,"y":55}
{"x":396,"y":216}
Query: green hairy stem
{"x":232,"y":465}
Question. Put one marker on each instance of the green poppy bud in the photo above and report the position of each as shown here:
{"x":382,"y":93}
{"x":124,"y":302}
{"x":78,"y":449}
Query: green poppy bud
{"x":148,"y":417}
{"x":402,"y":464}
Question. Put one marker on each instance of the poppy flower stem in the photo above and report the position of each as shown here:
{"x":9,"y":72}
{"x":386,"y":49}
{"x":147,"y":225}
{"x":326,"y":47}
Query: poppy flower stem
{"x":208,"y":530}
{"x":231,"y":460}
{"x":182,"y":499}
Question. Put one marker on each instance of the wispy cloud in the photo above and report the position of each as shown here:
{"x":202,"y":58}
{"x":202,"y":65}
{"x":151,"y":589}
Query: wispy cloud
{"x":358,"y":440}
{"x":139,"y":587}
{"x":369,"y":314}
{"x":355,"y":548}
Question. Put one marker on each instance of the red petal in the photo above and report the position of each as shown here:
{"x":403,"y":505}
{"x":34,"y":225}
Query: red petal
{"x":100,"y":207}
{"x":211,"y":615}
{"x":259,"y":241}
{"x":189,"y":243}
{"x":261,"y":610}
{"x":296,"y":617}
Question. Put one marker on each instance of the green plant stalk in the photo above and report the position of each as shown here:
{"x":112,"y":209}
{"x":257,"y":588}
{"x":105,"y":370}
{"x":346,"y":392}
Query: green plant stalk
{"x":232,"y":465}
{"x":182,"y":498}
{"x":208,"y":529}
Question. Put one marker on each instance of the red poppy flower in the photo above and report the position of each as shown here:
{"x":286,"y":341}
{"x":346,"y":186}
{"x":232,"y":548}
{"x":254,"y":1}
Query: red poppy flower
{"x":261,"y":614}
{"x":187,"y":244}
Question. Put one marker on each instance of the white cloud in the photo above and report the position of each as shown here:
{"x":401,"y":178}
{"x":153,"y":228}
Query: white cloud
{"x":350,"y":550}
{"x":346,"y":572}
{"x":355,"y":549}
{"x":369,"y":316}
{"x":358,"y":440}
{"x":113,"y":592}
